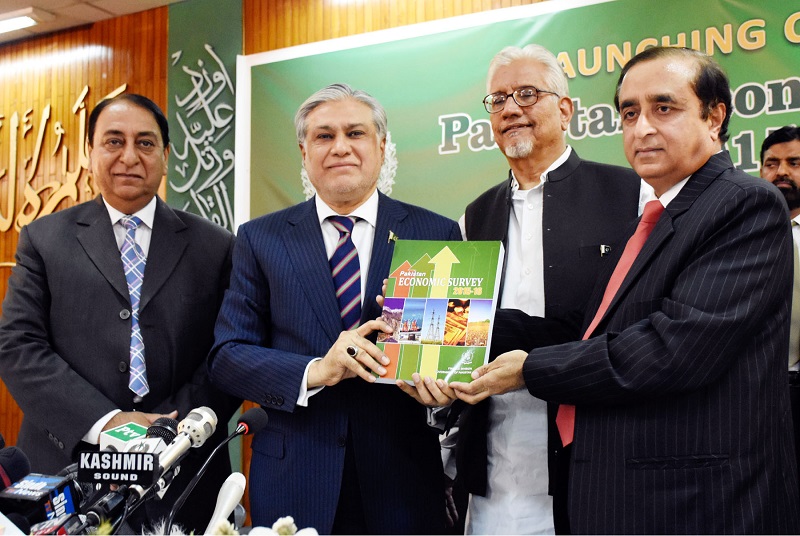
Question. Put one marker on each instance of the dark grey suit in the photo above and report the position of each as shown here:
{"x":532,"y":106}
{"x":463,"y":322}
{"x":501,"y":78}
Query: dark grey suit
{"x":65,"y":334}
{"x":682,"y":408}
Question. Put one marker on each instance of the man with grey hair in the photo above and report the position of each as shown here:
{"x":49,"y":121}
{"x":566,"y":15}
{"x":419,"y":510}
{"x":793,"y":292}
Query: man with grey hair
{"x":296,"y":334}
{"x":559,"y":217}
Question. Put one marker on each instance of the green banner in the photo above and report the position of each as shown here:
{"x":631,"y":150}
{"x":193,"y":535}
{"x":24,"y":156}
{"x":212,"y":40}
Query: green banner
{"x":431,"y":78}
{"x":204,"y":41}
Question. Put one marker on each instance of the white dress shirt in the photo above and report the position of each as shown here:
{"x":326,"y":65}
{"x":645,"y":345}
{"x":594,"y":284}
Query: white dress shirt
{"x":143,"y":234}
{"x":363,"y":236}
{"x":516,"y":500}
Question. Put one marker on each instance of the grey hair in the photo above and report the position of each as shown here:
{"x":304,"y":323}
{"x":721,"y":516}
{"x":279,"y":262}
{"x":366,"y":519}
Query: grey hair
{"x":336,"y":92}
{"x":554,"y":77}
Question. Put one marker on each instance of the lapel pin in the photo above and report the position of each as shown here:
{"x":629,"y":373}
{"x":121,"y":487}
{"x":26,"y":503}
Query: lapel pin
{"x":604,"y":250}
{"x":392,"y":237}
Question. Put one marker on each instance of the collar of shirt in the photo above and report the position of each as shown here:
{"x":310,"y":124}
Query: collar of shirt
{"x":543,"y":177}
{"x":143,"y":232}
{"x":673,"y":192}
{"x":368,"y":211}
{"x":363,"y":232}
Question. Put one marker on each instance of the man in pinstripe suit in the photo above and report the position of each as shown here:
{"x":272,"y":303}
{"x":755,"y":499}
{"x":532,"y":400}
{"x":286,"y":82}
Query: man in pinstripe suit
{"x":682,"y":421}
{"x":340,"y":454}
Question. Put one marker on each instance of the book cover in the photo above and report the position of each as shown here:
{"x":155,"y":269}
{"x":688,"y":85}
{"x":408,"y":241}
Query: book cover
{"x":440,"y":300}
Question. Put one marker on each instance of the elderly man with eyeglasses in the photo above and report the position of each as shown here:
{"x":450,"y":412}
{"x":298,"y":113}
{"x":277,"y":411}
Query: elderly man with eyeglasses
{"x":559,"y":217}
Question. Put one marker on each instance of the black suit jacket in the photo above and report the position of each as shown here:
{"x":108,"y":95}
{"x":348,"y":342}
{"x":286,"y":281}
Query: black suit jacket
{"x":682,"y":411}
{"x":65,"y":335}
{"x":587,"y":208}
{"x":279,"y":314}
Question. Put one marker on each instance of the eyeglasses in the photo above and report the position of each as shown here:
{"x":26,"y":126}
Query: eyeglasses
{"x":523,"y":96}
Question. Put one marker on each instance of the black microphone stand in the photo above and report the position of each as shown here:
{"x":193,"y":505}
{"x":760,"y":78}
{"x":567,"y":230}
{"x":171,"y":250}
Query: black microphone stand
{"x":183,"y":496}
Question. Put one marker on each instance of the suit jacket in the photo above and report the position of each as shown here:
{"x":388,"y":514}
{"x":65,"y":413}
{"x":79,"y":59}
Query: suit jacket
{"x":65,"y":335}
{"x":586,"y":206}
{"x":682,"y":411}
{"x":279,"y":314}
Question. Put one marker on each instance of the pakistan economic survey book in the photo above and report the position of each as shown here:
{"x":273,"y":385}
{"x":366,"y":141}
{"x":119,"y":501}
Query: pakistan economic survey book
{"x":440,"y":300}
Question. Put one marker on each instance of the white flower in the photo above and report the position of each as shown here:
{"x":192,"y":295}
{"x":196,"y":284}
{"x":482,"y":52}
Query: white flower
{"x":285,"y":526}
{"x":282,"y":527}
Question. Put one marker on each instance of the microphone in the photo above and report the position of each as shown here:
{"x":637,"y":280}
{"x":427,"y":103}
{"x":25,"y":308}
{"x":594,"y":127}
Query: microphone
{"x":251,"y":421}
{"x":40,"y":497}
{"x":66,"y":524}
{"x":228,"y":497}
{"x":163,"y":427}
{"x":159,"y":434}
{"x":193,"y":431}
{"x":116,"y":439}
{"x":13,"y":466}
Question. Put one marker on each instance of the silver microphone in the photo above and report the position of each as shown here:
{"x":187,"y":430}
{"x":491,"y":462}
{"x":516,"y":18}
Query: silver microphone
{"x":228,"y":497}
{"x":193,"y":431}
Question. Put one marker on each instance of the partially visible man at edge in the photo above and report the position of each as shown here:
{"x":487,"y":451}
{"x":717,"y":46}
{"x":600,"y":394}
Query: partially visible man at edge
{"x":676,"y":400}
{"x":67,"y":330}
{"x":780,"y":165}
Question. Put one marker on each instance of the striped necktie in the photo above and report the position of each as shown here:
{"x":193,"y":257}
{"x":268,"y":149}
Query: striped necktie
{"x":133,"y":260}
{"x":346,"y":273}
{"x":565,"y":418}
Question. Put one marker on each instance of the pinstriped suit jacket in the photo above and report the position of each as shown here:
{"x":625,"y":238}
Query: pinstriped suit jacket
{"x":281,"y":312}
{"x":683,"y":421}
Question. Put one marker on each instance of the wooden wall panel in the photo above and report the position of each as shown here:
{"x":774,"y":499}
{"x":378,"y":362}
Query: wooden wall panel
{"x":274,"y":24}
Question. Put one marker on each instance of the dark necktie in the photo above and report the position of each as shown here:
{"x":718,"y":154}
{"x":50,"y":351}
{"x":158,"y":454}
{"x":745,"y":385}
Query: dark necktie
{"x":565,"y":419}
{"x":346,"y":273}
{"x":133,"y":260}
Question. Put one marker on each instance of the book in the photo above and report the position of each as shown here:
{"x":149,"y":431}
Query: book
{"x":440,"y":300}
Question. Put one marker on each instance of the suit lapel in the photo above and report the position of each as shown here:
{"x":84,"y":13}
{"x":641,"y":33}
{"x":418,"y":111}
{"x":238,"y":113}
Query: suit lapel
{"x":390,"y":218}
{"x":306,"y":251}
{"x":665,"y":228}
{"x":96,"y":237}
{"x":166,"y":249}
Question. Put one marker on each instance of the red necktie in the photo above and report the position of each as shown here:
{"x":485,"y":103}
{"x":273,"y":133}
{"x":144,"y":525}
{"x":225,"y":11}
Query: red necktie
{"x":565,"y":419}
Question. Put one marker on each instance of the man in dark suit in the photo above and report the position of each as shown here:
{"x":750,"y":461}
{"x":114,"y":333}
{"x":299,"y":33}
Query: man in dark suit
{"x":68,"y":317}
{"x":681,"y":408}
{"x":780,"y":165}
{"x":552,"y":214}
{"x":340,"y":454}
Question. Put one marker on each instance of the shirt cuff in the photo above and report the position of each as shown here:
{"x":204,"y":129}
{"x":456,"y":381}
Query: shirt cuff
{"x":93,"y":435}
{"x":304,"y":395}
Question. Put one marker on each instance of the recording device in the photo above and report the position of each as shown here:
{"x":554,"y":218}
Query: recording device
{"x":251,"y":421}
{"x":39,"y":497}
{"x":67,"y":524}
{"x":116,"y":439}
{"x":13,"y":466}
{"x":193,"y":431}
{"x":228,"y":497}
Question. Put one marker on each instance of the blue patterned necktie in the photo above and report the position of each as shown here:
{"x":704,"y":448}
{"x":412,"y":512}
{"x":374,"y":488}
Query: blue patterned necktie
{"x":346,"y":273}
{"x":133,"y":260}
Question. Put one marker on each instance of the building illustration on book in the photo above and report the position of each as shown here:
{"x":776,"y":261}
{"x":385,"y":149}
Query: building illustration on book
{"x":440,"y":301}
